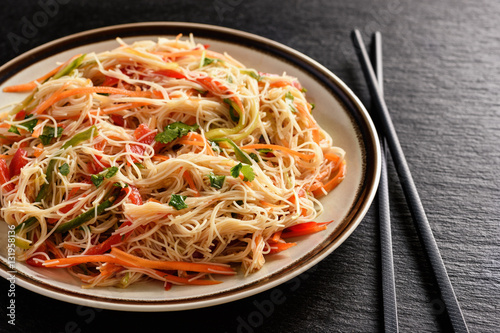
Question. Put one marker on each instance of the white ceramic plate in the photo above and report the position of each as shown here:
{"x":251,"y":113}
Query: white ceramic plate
{"x":338,"y":111}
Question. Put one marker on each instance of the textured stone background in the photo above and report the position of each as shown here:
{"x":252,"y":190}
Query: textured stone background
{"x":442,"y":78}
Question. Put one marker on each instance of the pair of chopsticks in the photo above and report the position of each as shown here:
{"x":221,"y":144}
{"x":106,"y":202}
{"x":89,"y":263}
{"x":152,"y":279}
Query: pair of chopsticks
{"x":389,"y":139}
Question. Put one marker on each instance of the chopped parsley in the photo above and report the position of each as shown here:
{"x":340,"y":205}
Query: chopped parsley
{"x":50,"y":133}
{"x":13,"y":129}
{"x":105,"y":174}
{"x":30,"y":124}
{"x":208,"y":61}
{"x":64,"y":169}
{"x":174,"y":131}
{"x":177,"y":201}
{"x":216,"y":181}
{"x":246,"y":171}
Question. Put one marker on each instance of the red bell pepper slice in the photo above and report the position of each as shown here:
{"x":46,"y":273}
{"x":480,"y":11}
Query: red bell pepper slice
{"x":5,"y":176}
{"x":18,"y":162}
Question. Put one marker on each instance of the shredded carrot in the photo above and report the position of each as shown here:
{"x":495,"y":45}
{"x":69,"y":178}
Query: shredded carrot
{"x":32,"y":85}
{"x":59,"y":95}
{"x":6,"y":157}
{"x":279,"y":84}
{"x":304,"y":229}
{"x":161,"y":157}
{"x":70,"y":247}
{"x":276,"y":236}
{"x":37,"y":130}
{"x":279,"y":247}
{"x":172,"y":265}
{"x":52,"y":248}
{"x":332,"y":157}
{"x":187,"y":177}
{"x":283,"y":149}
{"x":332,"y":183}
{"x":121,"y":107}
{"x":311,"y":123}
{"x":184,"y":141}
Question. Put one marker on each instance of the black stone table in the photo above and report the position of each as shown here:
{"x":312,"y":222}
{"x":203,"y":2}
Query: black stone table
{"x":442,"y":86}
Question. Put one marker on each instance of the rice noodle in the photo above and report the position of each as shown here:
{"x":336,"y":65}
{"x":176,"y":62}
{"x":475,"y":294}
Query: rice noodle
{"x":188,"y":83}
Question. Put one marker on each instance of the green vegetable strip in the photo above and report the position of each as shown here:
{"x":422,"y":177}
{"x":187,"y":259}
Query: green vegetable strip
{"x":77,"y":139}
{"x":64,"y":71}
{"x":240,"y":155}
{"x":72,"y":65}
{"x":221,"y":132}
{"x":26,"y":224}
{"x":80,"y":137}
{"x":91,"y":213}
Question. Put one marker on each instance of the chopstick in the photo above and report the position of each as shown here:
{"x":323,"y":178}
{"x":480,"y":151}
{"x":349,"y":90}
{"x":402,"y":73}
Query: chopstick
{"x":389,"y":298}
{"x":412,"y":197}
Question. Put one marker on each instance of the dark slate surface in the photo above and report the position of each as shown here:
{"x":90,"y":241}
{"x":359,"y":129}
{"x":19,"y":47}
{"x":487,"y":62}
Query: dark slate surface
{"x":442,"y":80}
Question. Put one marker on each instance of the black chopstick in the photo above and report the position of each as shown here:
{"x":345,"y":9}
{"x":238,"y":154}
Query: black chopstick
{"x":412,"y":197}
{"x":389,"y":298}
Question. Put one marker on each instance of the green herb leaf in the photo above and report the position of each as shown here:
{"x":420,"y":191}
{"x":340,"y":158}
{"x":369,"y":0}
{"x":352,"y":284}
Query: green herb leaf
{"x":216,"y":181}
{"x":13,"y":129}
{"x":174,"y":131}
{"x":49,"y":133}
{"x":265,"y":150}
{"x":246,"y":171}
{"x":105,"y":174}
{"x":64,"y":169}
{"x":235,"y":171}
{"x":140,"y":165}
{"x":208,"y":61}
{"x":215,"y":146}
{"x":177,"y":201}
{"x":30,"y":124}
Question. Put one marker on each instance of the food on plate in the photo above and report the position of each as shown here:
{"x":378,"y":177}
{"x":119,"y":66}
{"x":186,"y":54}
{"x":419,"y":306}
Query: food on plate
{"x":162,"y":160}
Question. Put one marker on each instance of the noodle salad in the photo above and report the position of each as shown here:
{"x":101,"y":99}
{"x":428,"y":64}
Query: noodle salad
{"x":162,"y":160}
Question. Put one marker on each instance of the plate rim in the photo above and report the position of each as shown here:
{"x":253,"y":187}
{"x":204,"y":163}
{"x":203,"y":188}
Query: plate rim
{"x":314,"y":68}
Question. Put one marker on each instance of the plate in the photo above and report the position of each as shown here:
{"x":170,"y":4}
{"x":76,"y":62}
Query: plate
{"x":337,"y":110}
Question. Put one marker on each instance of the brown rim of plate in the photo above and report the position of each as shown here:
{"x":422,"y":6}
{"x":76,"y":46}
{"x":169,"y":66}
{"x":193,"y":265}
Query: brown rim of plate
{"x":358,"y":114}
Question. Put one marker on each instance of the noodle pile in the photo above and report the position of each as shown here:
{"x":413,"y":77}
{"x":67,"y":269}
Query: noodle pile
{"x":162,"y":160}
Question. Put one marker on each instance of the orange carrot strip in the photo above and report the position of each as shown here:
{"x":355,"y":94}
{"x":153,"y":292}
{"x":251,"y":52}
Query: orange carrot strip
{"x":332,"y":183}
{"x":278,"y":247}
{"x":70,"y":247}
{"x":57,"y":96}
{"x":161,"y":157}
{"x":304,"y":229}
{"x":125,"y":106}
{"x":332,"y":157}
{"x":311,"y":123}
{"x":6,"y":157}
{"x":276,"y":236}
{"x":276,"y":147}
{"x":181,"y":280}
{"x":184,"y":141}
{"x":279,"y":84}
{"x":172,"y":265}
{"x":187,"y":177}
{"x":32,"y":85}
